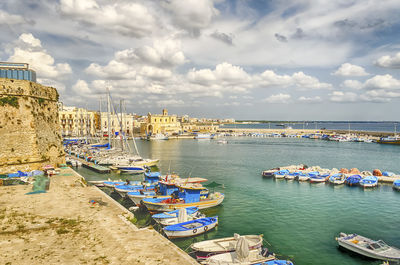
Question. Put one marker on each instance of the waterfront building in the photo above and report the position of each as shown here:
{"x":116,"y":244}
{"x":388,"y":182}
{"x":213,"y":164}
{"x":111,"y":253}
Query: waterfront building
{"x":19,"y":71}
{"x":161,"y":123}
{"x":118,"y":121}
{"x":78,"y":122}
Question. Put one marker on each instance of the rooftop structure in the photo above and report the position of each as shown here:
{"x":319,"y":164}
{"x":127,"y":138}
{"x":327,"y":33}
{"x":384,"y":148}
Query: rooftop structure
{"x":19,"y":71}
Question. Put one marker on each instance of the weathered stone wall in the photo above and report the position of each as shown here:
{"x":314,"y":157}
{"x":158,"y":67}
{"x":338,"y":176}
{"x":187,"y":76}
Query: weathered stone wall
{"x":30,"y":134}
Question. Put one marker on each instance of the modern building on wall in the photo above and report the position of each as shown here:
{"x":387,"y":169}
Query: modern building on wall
{"x":18,"y":71}
{"x":78,"y":122}
{"x":164,"y":123}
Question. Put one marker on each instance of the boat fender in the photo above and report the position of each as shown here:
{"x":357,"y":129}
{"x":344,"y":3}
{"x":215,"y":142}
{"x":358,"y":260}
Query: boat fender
{"x":194,"y":231}
{"x":205,"y":228}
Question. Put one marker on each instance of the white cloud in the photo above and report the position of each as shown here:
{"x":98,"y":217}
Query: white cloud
{"x":270,"y":78}
{"x":310,"y":99}
{"x":81,"y":87}
{"x":192,"y":15}
{"x":28,"y":49}
{"x":126,"y":18}
{"x":343,"y":97}
{"x":304,"y":82}
{"x":353,"y":84}
{"x":113,"y":70}
{"x":10,"y":19}
{"x":389,"y":61}
{"x":382,"y":82}
{"x":348,"y":69}
{"x":279,"y":98}
{"x":170,"y":102}
{"x":379,"y":96}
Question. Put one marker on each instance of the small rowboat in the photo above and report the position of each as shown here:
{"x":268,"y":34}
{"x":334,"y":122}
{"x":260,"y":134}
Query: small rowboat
{"x":137,"y":196}
{"x":208,"y":248}
{"x":369,"y":182}
{"x":242,"y":256}
{"x":396,"y":184}
{"x":368,"y":247}
{"x":191,"y":228}
{"x":315,"y":177}
{"x":131,"y":169}
{"x":353,"y":180}
{"x":171,"y":218}
{"x":303,"y":177}
{"x":276,"y":262}
{"x":337,"y":179}
{"x":281,"y":174}
{"x":292,"y":175}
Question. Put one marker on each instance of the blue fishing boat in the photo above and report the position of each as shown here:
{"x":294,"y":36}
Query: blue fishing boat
{"x":124,"y":189}
{"x":396,"y":184}
{"x":151,"y":177}
{"x":131,"y":169}
{"x":353,"y":180}
{"x":276,"y":262}
{"x":281,"y":174}
{"x":316,"y":177}
{"x":337,"y":179}
{"x":191,"y":228}
{"x":138,"y":195}
{"x":292,"y":175}
{"x":172,"y":214}
{"x":369,"y":181}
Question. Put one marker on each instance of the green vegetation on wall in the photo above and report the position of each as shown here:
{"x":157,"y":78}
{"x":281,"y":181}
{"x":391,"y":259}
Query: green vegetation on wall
{"x":12,"y":101}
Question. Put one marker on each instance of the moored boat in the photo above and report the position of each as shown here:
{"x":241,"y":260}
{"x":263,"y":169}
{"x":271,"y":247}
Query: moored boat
{"x":368,"y":247}
{"x":242,"y":255}
{"x":337,"y":179}
{"x":369,"y":181}
{"x":191,"y":228}
{"x":281,"y":174}
{"x":276,"y":262}
{"x":316,"y":177}
{"x":207,"y":248}
{"x":396,"y":184}
{"x":353,"y":180}
{"x":303,"y":177}
{"x":171,"y":218}
{"x":131,"y":169}
{"x":292,"y":175}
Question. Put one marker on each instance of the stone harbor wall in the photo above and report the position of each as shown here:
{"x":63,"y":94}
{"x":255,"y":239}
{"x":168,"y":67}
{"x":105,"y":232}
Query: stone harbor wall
{"x":30,"y":134}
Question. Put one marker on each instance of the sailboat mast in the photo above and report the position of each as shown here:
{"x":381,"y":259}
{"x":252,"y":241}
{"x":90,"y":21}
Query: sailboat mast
{"x":108,"y":117}
{"x":121,"y":125}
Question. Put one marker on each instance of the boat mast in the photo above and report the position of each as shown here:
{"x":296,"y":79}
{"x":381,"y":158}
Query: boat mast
{"x":121,"y":125}
{"x":101,"y":124}
{"x":108,"y":117}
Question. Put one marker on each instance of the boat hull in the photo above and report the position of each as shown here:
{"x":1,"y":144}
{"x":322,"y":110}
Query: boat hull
{"x":165,"y":207}
{"x":190,"y":233}
{"x":365,"y":253}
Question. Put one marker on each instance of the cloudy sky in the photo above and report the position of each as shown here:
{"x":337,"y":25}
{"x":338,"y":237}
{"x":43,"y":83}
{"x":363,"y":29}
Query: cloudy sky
{"x":246,"y":59}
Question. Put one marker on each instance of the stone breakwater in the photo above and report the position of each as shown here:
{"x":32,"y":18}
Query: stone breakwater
{"x":63,"y":227}
{"x":29,"y":127}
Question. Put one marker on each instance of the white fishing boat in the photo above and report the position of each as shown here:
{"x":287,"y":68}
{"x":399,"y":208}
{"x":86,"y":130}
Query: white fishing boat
{"x":158,"y":136}
{"x":368,"y":247}
{"x":396,"y":184}
{"x":207,"y":248}
{"x":242,"y":255}
{"x":303,"y":177}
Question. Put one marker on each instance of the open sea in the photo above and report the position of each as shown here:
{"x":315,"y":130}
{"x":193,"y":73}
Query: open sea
{"x":299,"y":221}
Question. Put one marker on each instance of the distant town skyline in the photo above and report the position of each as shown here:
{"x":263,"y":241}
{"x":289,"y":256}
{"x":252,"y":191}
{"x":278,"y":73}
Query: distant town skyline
{"x":247,"y":60}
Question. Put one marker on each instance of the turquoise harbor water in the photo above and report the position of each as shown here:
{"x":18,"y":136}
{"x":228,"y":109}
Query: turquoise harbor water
{"x":298,"y":220}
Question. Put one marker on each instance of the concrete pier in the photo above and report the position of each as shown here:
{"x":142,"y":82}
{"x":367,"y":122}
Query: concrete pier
{"x":63,"y":227}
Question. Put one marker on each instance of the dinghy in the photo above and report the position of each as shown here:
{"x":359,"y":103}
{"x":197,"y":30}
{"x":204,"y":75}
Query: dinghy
{"x":353,"y":180}
{"x":316,"y":177}
{"x":303,"y":177}
{"x":292,"y":175}
{"x":137,"y":196}
{"x":242,"y":255}
{"x":207,"y":248}
{"x":281,"y":174}
{"x":131,"y":169}
{"x":191,"y":228}
{"x":160,"y":217}
{"x":368,"y":247}
{"x":276,"y":262}
{"x":337,"y":179}
{"x":369,"y":182}
{"x":396,"y":184}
